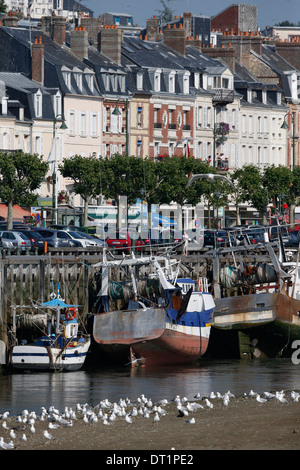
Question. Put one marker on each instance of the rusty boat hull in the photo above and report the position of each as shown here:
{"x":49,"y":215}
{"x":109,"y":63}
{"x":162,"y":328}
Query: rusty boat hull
{"x":155,"y":336}
{"x":269,"y":321}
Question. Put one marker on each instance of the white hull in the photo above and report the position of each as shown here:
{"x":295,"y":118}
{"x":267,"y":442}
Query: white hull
{"x":31,"y":357}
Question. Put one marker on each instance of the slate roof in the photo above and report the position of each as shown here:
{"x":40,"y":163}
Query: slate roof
{"x":20,"y":91}
{"x":15,"y":56}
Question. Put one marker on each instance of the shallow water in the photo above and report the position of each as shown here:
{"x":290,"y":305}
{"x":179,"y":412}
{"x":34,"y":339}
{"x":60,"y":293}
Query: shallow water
{"x":90,"y":385}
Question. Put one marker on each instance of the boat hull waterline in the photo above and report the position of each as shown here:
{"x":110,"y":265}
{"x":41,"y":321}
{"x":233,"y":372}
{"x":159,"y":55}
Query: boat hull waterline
{"x":32,"y":357}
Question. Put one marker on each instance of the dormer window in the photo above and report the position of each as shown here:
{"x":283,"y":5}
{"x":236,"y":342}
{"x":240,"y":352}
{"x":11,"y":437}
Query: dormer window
{"x":186,"y":83}
{"x":78,"y":79}
{"x":279,"y":98}
{"x":90,"y":81}
{"x":57,"y":104}
{"x":172,"y":82}
{"x":38,"y":103}
{"x":157,"y":80}
{"x":67,"y":76}
{"x":107,"y":84}
{"x":139,"y":81}
{"x":197,"y":81}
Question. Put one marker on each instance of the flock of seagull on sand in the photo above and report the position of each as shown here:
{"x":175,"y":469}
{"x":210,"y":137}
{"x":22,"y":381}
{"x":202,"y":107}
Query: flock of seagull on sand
{"x":107,"y":412}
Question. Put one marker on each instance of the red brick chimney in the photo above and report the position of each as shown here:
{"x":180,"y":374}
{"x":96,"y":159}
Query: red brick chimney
{"x":37,"y":60}
{"x":59,"y":29}
{"x":175,"y":38}
{"x":227,"y":54}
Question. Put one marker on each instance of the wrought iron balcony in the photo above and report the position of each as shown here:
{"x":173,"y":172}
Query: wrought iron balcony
{"x":223,"y":96}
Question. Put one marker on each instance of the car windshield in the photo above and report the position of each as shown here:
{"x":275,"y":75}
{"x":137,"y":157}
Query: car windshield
{"x":75,"y":235}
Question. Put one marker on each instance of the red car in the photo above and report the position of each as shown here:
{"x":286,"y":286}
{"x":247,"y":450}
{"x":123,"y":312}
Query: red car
{"x":125,"y":240}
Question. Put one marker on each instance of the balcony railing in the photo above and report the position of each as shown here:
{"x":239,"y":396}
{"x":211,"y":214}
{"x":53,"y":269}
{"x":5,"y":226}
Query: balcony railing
{"x":223,"y":96}
{"x":157,"y":125}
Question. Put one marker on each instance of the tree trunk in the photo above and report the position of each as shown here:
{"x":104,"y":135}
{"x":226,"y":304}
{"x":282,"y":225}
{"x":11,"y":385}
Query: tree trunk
{"x":85,"y":211}
{"x":238,"y":215}
{"x":292,"y":215}
{"x":10,"y":207}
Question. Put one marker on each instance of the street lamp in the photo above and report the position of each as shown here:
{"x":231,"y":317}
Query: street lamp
{"x":286,"y":126}
{"x":54,"y":180}
{"x":210,"y":177}
{"x":116,"y":112}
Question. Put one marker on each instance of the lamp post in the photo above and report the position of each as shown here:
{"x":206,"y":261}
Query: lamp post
{"x":116,"y":112}
{"x":54,"y":176}
{"x":286,"y":126}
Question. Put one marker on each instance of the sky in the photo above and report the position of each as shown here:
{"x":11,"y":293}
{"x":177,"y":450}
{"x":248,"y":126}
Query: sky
{"x":269,"y":12}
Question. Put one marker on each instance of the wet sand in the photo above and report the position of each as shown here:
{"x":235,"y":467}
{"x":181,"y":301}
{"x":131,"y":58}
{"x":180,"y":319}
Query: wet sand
{"x":244,"y":425}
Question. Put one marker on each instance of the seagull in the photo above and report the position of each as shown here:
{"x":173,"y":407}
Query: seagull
{"x":209,"y":404}
{"x":197,"y":396}
{"x":53,"y":425}
{"x":6,"y":445}
{"x":128,"y":419}
{"x":182,"y":411}
{"x":208,"y":176}
{"x":4,"y":425}
{"x":12,"y":434}
{"x":5,"y":415}
{"x":156,"y":418}
{"x":252,"y":394}
{"x":212,"y":395}
{"x":47,"y":435}
{"x":190,"y":421}
{"x":225,"y":401}
{"x":23,"y":438}
{"x":260,"y":400}
{"x":32,"y":429}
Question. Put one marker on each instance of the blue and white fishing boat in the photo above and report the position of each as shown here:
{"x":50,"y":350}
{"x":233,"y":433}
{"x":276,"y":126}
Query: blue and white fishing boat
{"x":167,"y":327}
{"x":60,"y":348}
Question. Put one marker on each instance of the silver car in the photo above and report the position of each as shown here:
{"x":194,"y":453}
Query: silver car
{"x":12,"y":239}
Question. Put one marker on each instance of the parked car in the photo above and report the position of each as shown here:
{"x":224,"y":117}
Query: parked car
{"x":294,"y":238}
{"x":68,"y":228}
{"x":57,"y":238}
{"x":83,"y":238}
{"x":36,"y":239}
{"x":18,"y":240}
{"x":213,"y":238}
{"x":275,"y":230}
{"x":125,"y":240}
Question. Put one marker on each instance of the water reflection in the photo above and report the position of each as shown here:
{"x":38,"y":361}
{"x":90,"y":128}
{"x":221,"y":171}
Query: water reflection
{"x":33,"y":390}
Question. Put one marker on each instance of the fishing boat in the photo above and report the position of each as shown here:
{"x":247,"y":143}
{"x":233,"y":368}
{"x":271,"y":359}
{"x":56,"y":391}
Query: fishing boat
{"x":258,"y":301}
{"x":164,"y":321}
{"x":61,"y":347}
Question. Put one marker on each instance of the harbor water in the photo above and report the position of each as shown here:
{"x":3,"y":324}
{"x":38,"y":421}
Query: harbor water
{"x":34,"y":390}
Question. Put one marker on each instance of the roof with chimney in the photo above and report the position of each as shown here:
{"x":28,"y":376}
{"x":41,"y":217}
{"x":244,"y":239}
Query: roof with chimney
{"x":20,"y":91}
{"x":15,"y":56}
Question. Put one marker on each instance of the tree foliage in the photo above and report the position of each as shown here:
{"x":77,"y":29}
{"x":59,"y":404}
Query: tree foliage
{"x":21,"y":174}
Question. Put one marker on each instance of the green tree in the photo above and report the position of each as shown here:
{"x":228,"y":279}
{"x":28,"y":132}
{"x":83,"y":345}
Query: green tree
{"x":3,"y":6}
{"x":251,"y":188}
{"x":21,"y":174}
{"x":85,"y":173}
{"x":277,"y":181}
